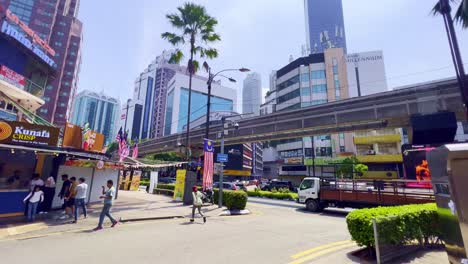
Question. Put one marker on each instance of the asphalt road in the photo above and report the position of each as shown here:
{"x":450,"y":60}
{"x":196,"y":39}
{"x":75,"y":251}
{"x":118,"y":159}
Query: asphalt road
{"x":276,"y":232}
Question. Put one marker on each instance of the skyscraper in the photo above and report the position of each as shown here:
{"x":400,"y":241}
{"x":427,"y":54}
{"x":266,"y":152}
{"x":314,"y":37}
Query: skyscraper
{"x":252,"y":94}
{"x":324,"y":25}
{"x":55,"y":22}
{"x":97,"y":110}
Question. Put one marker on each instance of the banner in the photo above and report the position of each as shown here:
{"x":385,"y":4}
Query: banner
{"x":72,"y":136}
{"x":135,"y":181}
{"x":153,"y":180}
{"x":79,"y":138}
{"x":12,"y":77}
{"x":179,"y":185}
{"x":21,"y":133}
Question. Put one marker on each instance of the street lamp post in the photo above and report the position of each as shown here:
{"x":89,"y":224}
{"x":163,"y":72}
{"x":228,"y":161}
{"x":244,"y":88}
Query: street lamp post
{"x":211,"y":78}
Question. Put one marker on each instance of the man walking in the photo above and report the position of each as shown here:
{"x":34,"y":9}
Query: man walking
{"x":65,"y":190}
{"x":81,"y":191}
{"x":108,"y":197}
{"x":70,"y":199}
{"x":197,"y":203}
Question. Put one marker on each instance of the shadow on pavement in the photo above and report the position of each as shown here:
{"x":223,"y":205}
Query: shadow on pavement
{"x":273,"y":202}
{"x":327,"y":212}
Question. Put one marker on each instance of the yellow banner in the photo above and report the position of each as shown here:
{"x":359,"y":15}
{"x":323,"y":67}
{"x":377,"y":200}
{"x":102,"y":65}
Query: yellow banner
{"x":179,"y":185}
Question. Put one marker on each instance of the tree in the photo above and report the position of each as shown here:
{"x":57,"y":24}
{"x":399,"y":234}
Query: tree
{"x":112,"y":147}
{"x":349,"y":167}
{"x":461,"y":15}
{"x":196,"y":29}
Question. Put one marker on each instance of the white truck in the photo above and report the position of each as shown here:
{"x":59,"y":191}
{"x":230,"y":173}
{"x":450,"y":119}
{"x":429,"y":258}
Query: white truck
{"x":320,"y":193}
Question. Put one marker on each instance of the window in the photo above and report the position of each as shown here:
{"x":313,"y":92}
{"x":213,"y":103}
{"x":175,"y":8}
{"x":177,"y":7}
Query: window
{"x":342,"y":149}
{"x":317,"y":102}
{"x":337,"y":93}
{"x":305,"y":77}
{"x":62,"y":104}
{"x":68,"y":73}
{"x":74,"y":44}
{"x":317,"y":74}
{"x":64,"y":94}
{"x":334,"y":61}
{"x":288,"y":83}
{"x":58,"y":43}
{"x":337,"y":98}
{"x":62,"y":23}
{"x":322,"y":88}
{"x":337,"y":84}
{"x":307,"y":184}
{"x":47,"y":99}
{"x":305,"y":91}
{"x":60,"y":33}
{"x":71,"y":63}
{"x":289,"y":96}
{"x":335,"y":69}
{"x":43,"y":110}
{"x":49,"y":87}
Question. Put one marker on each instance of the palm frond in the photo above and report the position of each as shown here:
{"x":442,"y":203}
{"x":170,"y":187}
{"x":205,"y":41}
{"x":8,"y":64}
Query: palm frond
{"x":461,"y":15}
{"x":212,"y":37}
{"x":194,"y":67}
{"x":176,"y":57}
{"x":176,"y":20}
{"x":173,"y":38}
{"x":211,"y":53}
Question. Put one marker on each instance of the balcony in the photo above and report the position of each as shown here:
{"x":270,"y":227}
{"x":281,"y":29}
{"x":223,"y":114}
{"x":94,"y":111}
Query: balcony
{"x":380,"y":158}
{"x":394,"y":138}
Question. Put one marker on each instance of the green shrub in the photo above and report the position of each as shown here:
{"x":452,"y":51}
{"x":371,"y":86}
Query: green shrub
{"x":166,"y":186}
{"x":273,"y":195}
{"x":396,"y":224}
{"x":233,"y":200}
{"x":144,"y":183}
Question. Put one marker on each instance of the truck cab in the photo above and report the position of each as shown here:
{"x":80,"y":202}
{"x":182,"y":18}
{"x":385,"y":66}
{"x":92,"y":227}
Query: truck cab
{"x":309,"y":193}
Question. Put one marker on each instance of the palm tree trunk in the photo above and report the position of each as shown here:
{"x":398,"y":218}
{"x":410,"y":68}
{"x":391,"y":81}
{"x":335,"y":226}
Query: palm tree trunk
{"x":187,"y":136}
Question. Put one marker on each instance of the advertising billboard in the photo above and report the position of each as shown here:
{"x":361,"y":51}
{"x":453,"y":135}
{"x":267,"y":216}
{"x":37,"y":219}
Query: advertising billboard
{"x":235,"y":157}
{"x":21,"y":133}
{"x":415,"y":164}
{"x":88,"y":140}
{"x":12,"y":77}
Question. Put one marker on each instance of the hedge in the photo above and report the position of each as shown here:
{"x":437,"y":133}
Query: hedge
{"x":273,"y":195}
{"x":166,"y":186}
{"x":396,"y":224}
{"x":233,"y":200}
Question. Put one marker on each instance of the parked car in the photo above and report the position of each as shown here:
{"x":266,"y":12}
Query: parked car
{"x":167,"y":180}
{"x":241,"y":186}
{"x":278,"y":185}
{"x":226,"y":186}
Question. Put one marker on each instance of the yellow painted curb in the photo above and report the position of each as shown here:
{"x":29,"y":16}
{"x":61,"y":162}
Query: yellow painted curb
{"x":21,"y":229}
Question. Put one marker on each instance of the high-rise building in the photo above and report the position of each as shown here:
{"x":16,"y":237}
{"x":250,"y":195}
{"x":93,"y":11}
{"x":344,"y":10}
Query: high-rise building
{"x":222,"y":99}
{"x":99,"y":111}
{"x":149,"y":94}
{"x":366,"y":73}
{"x":324,"y":25}
{"x":252,"y":94}
{"x":55,"y":22}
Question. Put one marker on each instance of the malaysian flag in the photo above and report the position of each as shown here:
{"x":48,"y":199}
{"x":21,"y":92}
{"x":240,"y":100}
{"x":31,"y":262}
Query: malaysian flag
{"x":124,"y":149}
{"x":119,"y":135}
{"x":208,"y":164}
{"x":135,"y":149}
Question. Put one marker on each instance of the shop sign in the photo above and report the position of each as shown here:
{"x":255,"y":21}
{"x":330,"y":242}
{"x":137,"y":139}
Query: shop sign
{"x":100,"y":165}
{"x":7,"y":116}
{"x":323,"y":161}
{"x":82,"y":138}
{"x":296,"y":160}
{"x":10,"y":76}
{"x":21,"y":133}
{"x":11,"y":31}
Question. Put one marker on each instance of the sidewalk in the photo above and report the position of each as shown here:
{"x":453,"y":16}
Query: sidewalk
{"x":129,"y":206}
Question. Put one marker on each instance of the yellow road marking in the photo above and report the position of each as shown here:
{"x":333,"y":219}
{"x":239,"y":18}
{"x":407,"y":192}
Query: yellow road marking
{"x":320,"y":253}
{"x":315,"y":249}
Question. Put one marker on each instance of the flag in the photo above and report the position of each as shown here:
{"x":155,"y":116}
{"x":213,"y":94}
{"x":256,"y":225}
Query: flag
{"x":208,"y":164}
{"x":135,"y":149}
{"x":124,"y":152}
{"x":119,"y":135}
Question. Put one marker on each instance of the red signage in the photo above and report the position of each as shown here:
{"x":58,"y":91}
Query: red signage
{"x":35,"y":38}
{"x":11,"y":76}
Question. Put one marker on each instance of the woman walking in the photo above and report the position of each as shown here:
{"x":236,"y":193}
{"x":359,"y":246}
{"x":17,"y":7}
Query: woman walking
{"x":197,"y":203}
{"x":33,"y":199}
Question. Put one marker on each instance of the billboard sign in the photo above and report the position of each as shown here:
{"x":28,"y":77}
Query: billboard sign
{"x":21,"y":133}
{"x":415,"y":163}
{"x":11,"y":77}
{"x":79,"y":138}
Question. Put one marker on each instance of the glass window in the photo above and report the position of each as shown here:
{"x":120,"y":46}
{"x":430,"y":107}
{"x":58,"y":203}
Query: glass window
{"x":335,"y":69}
{"x":317,"y":102}
{"x":342,"y":149}
{"x":169,"y":110}
{"x":322,"y":88}
{"x":337,"y":84}
{"x":289,"y":96}
{"x":334,"y":61}
{"x":305,"y":91}
{"x":16,"y":175}
{"x":306,"y":104}
{"x":337,"y":98}
{"x":288,"y":83}
{"x":337,"y":92}
{"x":305,"y":77}
{"x":307,"y":184}
{"x":314,"y":75}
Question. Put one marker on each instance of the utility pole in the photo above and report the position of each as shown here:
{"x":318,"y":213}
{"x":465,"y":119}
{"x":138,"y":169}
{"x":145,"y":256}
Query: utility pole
{"x":221,"y":173}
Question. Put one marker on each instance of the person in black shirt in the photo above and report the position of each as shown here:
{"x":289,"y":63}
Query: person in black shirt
{"x":65,"y":191}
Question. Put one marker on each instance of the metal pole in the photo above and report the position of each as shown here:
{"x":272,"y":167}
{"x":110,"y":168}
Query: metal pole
{"x":313,"y":157}
{"x":126,"y":116}
{"x":357,"y":81}
{"x":208,"y":105}
{"x":221,"y":174}
{"x":376,"y":237}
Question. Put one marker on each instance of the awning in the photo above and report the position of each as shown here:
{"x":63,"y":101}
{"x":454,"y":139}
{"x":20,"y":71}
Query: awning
{"x":21,"y":97}
{"x":57,"y":150}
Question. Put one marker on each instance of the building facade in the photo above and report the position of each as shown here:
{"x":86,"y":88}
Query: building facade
{"x":252,"y":94}
{"x":56,"y":23}
{"x":324,"y":25}
{"x":222,"y":99}
{"x":27,"y":68}
{"x":366,"y":73}
{"x":98,"y":111}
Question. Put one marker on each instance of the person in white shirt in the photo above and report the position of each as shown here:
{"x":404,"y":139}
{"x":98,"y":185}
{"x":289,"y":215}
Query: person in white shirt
{"x":36,"y":181}
{"x":80,"y":198}
{"x":49,"y":192}
{"x":34,"y":198}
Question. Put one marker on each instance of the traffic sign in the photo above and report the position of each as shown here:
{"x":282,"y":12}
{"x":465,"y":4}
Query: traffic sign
{"x":222,"y":157}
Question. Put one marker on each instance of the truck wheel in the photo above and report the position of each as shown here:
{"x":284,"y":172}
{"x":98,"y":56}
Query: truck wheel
{"x":312,"y":206}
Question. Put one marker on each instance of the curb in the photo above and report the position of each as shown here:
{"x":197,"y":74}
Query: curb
{"x":21,"y":229}
{"x":151,"y":218}
{"x":235,"y":212}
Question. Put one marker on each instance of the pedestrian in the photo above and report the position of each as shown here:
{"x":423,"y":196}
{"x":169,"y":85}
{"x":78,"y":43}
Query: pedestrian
{"x":49,"y":192}
{"x":33,"y":199}
{"x":81,"y":190}
{"x":70,"y":199}
{"x":197,"y":203}
{"x":64,"y":191}
{"x":36,"y":181}
{"x":108,"y":197}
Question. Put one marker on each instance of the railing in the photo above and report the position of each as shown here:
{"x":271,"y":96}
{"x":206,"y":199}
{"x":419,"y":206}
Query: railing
{"x":34,"y":88}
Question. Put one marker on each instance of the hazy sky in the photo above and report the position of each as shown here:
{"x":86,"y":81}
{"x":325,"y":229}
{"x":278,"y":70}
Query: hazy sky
{"x":121,"y":38}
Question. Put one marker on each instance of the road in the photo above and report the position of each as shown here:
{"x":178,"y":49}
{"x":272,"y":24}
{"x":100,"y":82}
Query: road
{"x":276,"y":232}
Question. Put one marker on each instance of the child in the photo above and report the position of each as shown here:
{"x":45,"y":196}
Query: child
{"x":197,"y":203}
{"x":35,"y":197}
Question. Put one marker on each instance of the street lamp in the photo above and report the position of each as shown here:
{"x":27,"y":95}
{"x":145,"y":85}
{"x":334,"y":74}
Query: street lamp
{"x":210,"y":80}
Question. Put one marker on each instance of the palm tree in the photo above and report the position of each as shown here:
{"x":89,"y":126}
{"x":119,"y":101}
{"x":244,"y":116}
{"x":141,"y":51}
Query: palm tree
{"x":444,"y":8}
{"x":461,"y":15}
{"x":196,"y":28}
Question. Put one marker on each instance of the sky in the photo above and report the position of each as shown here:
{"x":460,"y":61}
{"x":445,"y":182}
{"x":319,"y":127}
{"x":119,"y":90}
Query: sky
{"x":121,"y":38}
